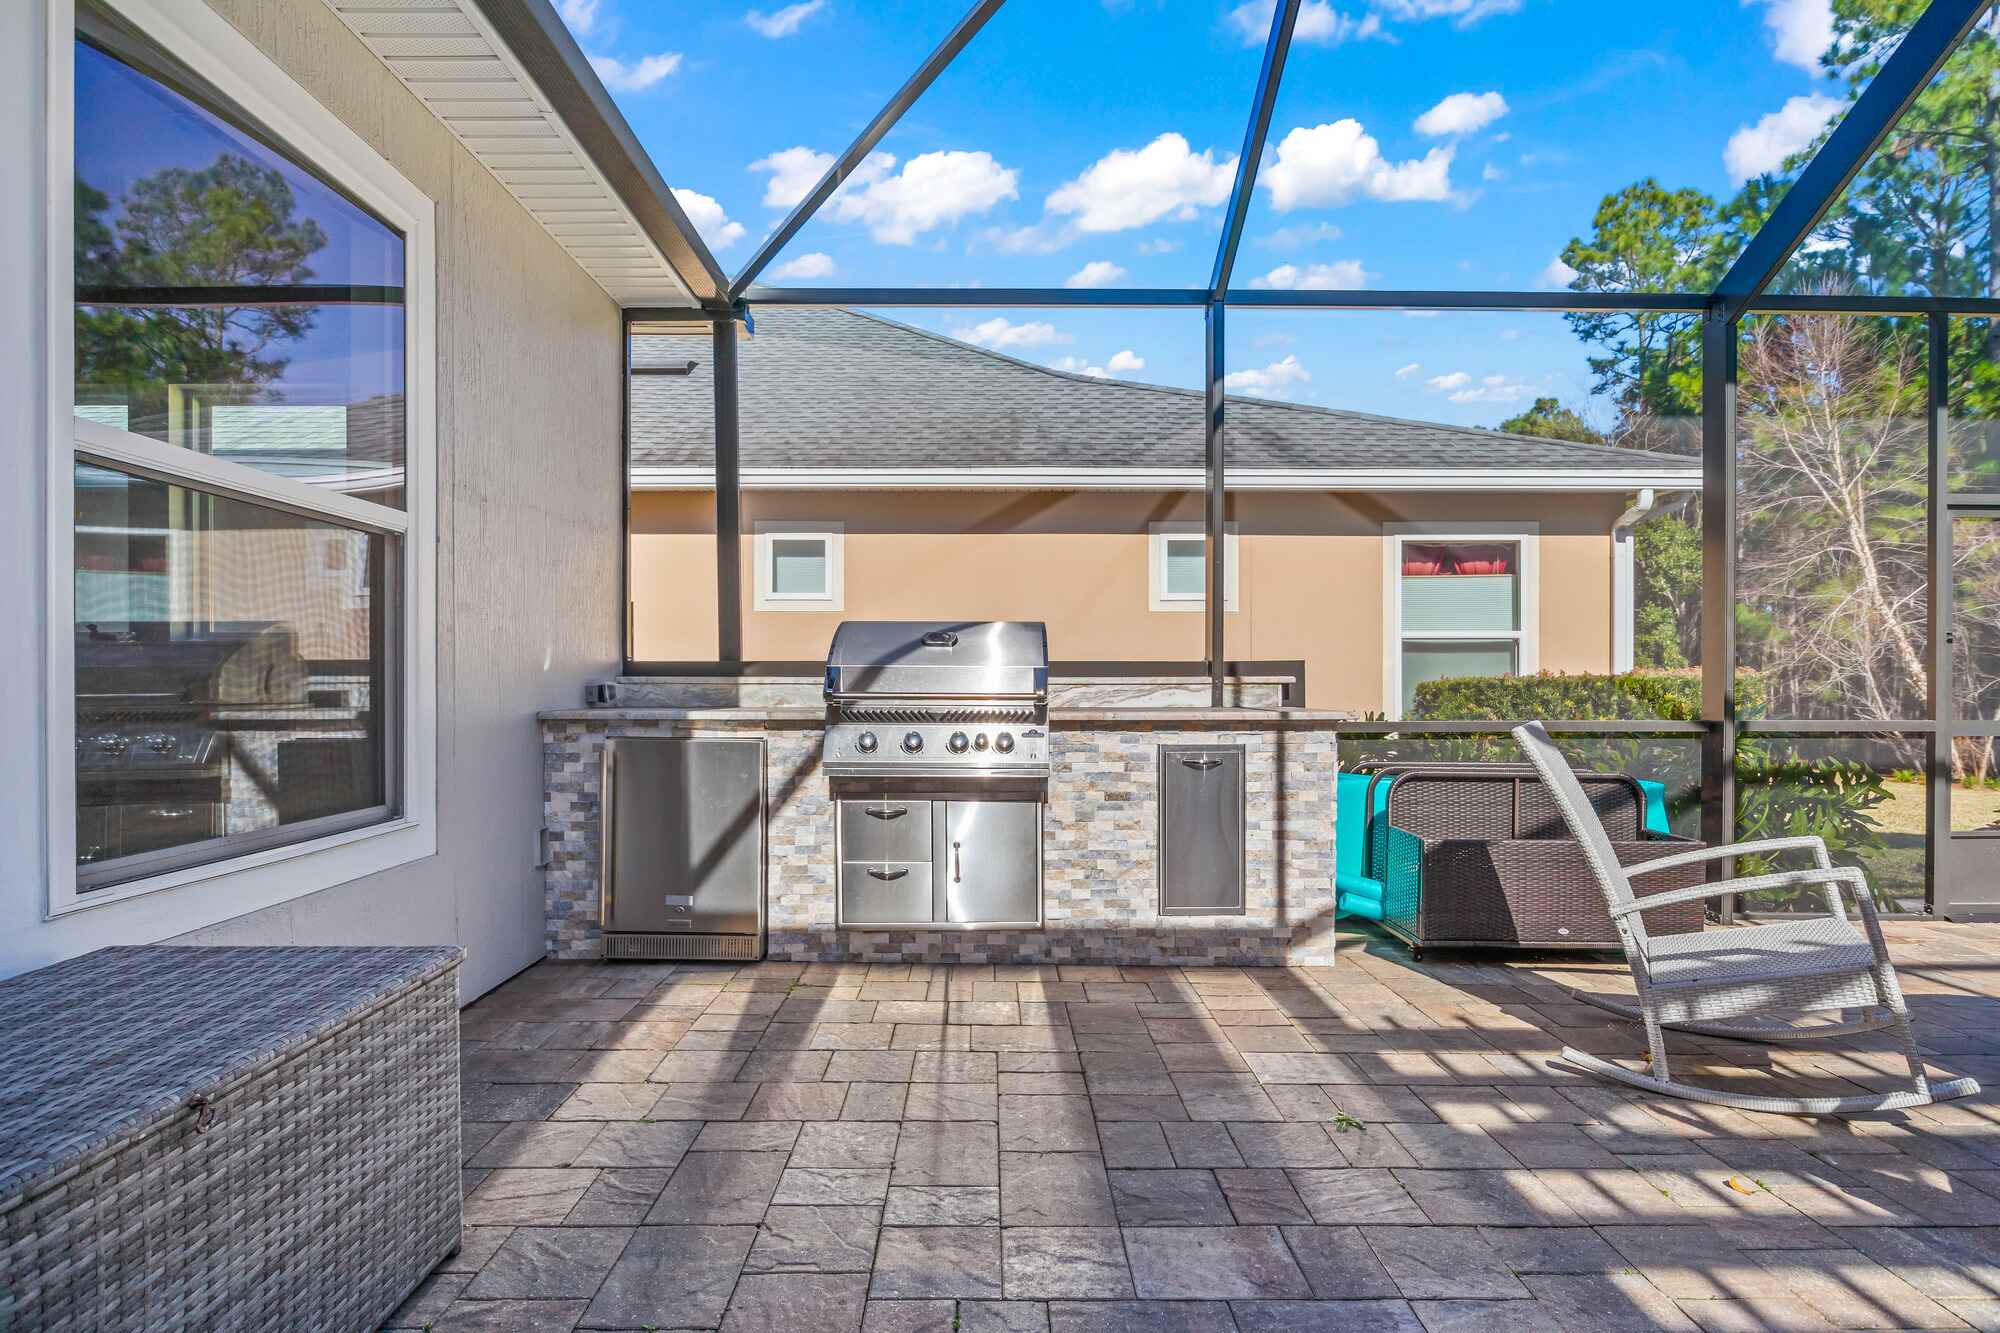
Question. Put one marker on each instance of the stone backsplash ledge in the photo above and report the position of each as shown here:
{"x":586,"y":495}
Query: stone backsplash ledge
{"x":1100,"y":872}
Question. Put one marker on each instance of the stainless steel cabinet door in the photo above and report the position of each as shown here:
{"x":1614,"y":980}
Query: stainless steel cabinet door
{"x":885,"y":830}
{"x":1201,"y":829}
{"x":884,"y":893}
{"x":684,"y":849}
{"x":992,"y":861}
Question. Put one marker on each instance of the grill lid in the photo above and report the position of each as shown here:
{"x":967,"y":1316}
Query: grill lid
{"x":965,"y":659}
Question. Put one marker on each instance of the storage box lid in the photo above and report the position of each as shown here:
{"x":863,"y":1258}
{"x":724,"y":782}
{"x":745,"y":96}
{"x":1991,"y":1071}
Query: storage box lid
{"x":100,"y":1046}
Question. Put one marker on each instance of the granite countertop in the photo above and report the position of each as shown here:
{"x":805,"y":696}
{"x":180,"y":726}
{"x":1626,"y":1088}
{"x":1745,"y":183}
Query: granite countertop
{"x":1057,"y":716}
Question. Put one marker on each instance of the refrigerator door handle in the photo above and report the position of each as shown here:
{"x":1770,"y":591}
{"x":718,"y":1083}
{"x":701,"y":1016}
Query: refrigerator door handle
{"x":608,"y":840}
{"x":954,"y":863}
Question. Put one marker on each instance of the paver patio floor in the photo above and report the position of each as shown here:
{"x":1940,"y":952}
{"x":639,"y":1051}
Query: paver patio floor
{"x":1379,"y":1145}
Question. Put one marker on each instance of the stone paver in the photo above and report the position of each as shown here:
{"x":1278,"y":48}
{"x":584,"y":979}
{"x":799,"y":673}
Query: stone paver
{"x":1380,"y":1145}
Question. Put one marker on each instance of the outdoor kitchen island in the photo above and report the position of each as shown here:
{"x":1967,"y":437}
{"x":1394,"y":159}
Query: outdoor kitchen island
{"x":1101,"y":881}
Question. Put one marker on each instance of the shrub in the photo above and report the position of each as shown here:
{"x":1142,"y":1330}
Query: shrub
{"x":1780,"y":792}
{"x":1668,"y":696}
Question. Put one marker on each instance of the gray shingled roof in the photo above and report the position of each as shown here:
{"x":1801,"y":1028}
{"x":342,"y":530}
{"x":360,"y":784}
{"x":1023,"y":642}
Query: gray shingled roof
{"x":833,"y":388}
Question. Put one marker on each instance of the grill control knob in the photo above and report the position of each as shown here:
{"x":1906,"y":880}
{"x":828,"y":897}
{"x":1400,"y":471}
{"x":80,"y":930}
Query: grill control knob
{"x":957,"y":743}
{"x":913,"y":741}
{"x":865,"y":742}
{"x":1004,"y":743}
{"x":980,"y":742}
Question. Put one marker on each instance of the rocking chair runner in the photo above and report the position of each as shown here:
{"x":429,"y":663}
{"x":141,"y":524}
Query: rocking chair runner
{"x":1751,"y":984}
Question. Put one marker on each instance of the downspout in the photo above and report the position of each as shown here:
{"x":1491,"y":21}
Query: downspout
{"x":1622,"y":580}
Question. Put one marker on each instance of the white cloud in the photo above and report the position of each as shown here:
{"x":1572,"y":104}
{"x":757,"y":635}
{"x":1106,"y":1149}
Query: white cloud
{"x":709,"y":219}
{"x":1404,"y":372}
{"x":1463,"y":13}
{"x":1342,"y":275}
{"x":580,"y":15}
{"x":1462,"y":388}
{"x":1555,"y":273}
{"x":794,"y":171}
{"x":1319,"y":23}
{"x":932,"y":190}
{"x":1132,"y":187}
{"x":1489,"y":172}
{"x":814,"y":264}
{"x":1294,"y":238}
{"x":638,"y":76}
{"x":1800,"y":30}
{"x":1124,"y":362}
{"x":1333,"y":164}
{"x":1461,"y":113}
{"x":1272,"y":379}
{"x":1491,"y":389}
{"x":784,"y":22}
{"x":1764,"y":146}
{"x":1159,"y":247}
{"x":1097,"y":273}
{"x":998,"y":332}
{"x":1041,"y":238}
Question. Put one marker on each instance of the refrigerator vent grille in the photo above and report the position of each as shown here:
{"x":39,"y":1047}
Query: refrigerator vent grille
{"x":696,"y":948}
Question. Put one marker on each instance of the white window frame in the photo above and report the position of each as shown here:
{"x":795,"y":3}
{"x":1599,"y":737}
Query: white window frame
{"x":831,"y":535}
{"x":1157,"y":537}
{"x":194,"y":897}
{"x":1527,"y":535}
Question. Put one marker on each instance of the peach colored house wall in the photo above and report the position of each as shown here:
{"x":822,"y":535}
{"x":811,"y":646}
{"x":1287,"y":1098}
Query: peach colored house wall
{"x":1309,"y":573}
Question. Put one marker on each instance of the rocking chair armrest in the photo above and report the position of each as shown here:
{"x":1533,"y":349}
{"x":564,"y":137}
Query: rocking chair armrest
{"x":1848,"y":875}
{"x":1761,"y":847}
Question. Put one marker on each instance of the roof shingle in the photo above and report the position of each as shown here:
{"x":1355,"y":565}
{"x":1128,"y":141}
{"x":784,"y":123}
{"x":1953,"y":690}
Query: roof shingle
{"x":835,"y":388}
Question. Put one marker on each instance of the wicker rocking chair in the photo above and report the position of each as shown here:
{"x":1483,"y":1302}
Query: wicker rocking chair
{"x":1809,"y":978}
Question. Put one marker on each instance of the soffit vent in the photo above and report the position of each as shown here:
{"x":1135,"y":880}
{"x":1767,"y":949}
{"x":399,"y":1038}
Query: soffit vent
{"x":445,"y":52}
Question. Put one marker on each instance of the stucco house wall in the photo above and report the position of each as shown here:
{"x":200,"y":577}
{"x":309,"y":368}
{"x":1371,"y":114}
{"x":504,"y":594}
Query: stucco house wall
{"x":1310,"y":573}
{"x":528,"y":351}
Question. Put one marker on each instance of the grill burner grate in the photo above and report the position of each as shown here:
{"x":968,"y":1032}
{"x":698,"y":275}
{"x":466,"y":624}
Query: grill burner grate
{"x":882,"y":714}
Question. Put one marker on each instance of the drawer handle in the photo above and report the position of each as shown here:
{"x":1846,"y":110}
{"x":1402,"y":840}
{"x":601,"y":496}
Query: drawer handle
{"x":887,"y":874}
{"x":1202,"y":763}
{"x":896,"y":813}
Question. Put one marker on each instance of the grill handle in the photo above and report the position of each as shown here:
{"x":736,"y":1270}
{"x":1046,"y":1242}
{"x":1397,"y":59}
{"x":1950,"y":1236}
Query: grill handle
{"x":887,"y":874}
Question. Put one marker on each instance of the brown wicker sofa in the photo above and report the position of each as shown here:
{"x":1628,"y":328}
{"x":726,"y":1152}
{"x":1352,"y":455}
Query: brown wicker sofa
{"x":1478,"y":855}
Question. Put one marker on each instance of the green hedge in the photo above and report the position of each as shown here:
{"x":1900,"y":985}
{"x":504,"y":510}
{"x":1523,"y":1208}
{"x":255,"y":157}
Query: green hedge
{"x":1668,"y":696}
{"x":1780,"y":792}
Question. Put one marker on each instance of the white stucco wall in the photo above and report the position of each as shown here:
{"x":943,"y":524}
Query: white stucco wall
{"x":529,"y":522}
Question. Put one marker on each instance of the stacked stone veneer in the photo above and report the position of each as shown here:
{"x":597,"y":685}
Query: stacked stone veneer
{"x":1100,"y":873}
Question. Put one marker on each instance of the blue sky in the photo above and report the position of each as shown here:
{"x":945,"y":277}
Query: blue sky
{"x":348,"y":353}
{"x":1416,"y":144}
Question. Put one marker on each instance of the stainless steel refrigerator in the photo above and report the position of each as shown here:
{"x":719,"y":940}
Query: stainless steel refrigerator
{"x":683,"y":848}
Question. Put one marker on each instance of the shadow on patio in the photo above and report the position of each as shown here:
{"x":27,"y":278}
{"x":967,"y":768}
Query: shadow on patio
{"x":1381,"y":1144}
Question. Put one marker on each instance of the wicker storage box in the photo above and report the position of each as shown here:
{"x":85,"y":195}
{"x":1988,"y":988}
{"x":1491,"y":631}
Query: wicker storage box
{"x":1479,"y":855}
{"x":227,"y":1138}
{"x":1525,"y":892}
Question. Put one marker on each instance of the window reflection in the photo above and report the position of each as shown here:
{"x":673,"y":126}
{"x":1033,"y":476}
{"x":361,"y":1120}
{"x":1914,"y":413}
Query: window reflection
{"x":228,"y":301}
{"x":228,"y":665}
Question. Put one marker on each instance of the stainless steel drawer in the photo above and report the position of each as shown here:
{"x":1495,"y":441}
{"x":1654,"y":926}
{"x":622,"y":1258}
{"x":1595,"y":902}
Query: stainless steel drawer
{"x":886,"y":893}
{"x":885,"y":830}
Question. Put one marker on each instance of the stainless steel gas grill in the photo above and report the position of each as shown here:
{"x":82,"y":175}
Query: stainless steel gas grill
{"x":937,"y":746}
